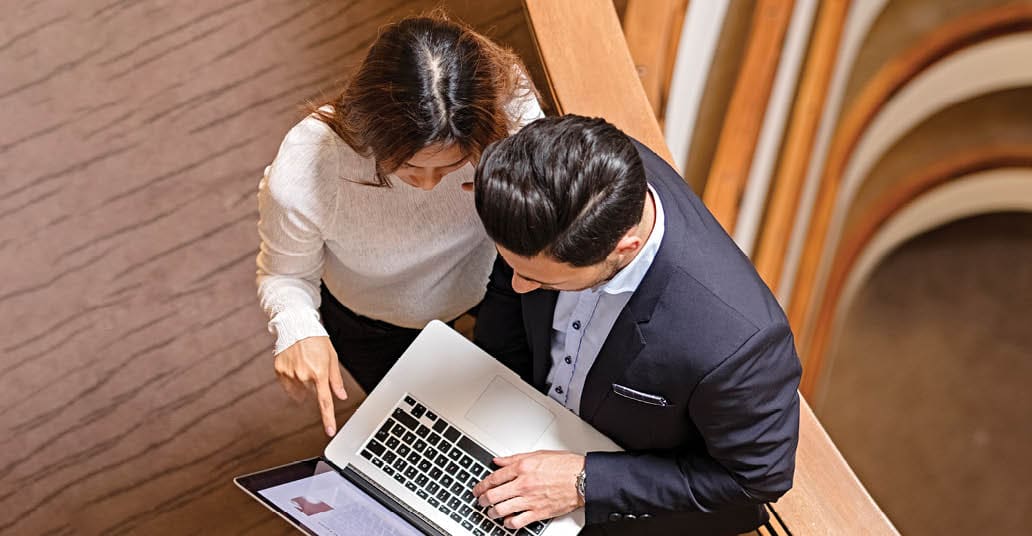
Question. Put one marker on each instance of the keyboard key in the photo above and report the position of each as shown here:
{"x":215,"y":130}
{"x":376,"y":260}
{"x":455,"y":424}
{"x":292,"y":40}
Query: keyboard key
{"x":433,"y":439}
{"x":392,"y":442}
{"x":457,"y":488}
{"x":452,"y":468}
{"x":465,"y":511}
{"x":436,"y":473}
{"x":376,"y":447}
{"x":476,"y":451}
{"x":385,"y":430}
{"x":422,"y":480}
{"x":451,"y":434}
{"x":431,"y":415}
{"x":411,"y":472}
{"x":536,"y":527}
{"x":467,"y":525}
{"x":444,"y":508}
{"x":468,"y":497}
{"x":466,"y":461}
{"x":455,"y":453}
{"x":456,"y":517}
{"x":419,"y":410}
{"x":400,"y":464}
{"x":409,"y":421}
{"x":411,"y":485}
{"x":420,"y":445}
{"x":443,"y":495}
{"x":478,"y":532}
{"x":403,"y":450}
{"x":422,"y":494}
{"x":378,"y":462}
{"x":366,"y":454}
{"x":389,"y":456}
{"x":441,"y":461}
{"x":425,"y":466}
{"x":454,"y":503}
{"x":399,"y":477}
{"x":446,"y":481}
{"x":410,"y":401}
{"x":440,"y":426}
{"x":433,"y":487}
{"x":484,"y":522}
{"x":523,"y":532}
{"x":413,"y":458}
{"x":422,"y":431}
{"x":433,"y":501}
{"x":398,"y":430}
{"x":463,"y":476}
{"x":497,"y":531}
{"x":409,"y":438}
{"x":387,"y":469}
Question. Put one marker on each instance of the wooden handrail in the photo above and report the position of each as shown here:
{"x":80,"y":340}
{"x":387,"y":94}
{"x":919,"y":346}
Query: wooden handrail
{"x":595,"y":76}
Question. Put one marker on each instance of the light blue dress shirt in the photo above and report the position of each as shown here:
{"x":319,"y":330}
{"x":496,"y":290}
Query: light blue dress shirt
{"x":583,"y":319}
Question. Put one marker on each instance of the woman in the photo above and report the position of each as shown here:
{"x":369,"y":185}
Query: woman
{"x":366,"y":194}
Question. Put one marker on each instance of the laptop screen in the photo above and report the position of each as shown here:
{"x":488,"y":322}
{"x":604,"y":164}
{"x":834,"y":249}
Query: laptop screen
{"x":321,"y":501}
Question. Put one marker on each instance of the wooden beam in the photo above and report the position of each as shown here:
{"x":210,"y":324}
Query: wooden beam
{"x":653,"y":29}
{"x":730,"y":169}
{"x":796,"y":152}
{"x":589,"y":75}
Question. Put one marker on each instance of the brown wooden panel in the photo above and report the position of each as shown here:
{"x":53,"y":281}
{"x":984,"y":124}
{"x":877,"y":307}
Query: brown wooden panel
{"x":797,"y":150}
{"x":730,"y":169}
{"x":135,"y":370}
{"x":963,"y":32}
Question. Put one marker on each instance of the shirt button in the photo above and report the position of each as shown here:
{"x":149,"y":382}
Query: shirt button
{"x":568,"y":360}
{"x":559,"y":389}
{"x":576,"y":324}
{"x":630,"y":517}
{"x":615,"y":517}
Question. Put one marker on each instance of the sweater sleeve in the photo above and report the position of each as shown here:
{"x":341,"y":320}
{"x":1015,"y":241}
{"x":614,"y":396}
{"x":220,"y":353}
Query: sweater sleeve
{"x":290,"y":256}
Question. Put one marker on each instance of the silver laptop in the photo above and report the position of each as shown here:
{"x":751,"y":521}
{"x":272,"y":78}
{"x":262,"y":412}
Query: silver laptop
{"x":407,"y":460}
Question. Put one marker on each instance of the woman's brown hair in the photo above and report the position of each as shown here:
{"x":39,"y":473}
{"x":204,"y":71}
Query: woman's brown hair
{"x":426,"y":80}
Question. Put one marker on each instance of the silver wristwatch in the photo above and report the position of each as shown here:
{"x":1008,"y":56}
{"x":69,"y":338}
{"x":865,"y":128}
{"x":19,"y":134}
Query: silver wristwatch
{"x":581,"y":477}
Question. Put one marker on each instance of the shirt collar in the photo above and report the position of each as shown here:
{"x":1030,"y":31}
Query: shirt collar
{"x":630,"y":276}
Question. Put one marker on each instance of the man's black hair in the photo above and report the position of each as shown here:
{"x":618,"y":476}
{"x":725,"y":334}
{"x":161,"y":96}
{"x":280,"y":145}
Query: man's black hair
{"x":569,"y":187}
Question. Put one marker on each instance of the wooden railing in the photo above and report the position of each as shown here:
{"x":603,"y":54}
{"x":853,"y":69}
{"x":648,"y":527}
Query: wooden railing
{"x":590,"y":72}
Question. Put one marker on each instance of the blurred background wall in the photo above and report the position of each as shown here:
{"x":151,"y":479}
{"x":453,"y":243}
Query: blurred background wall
{"x":872,"y":157}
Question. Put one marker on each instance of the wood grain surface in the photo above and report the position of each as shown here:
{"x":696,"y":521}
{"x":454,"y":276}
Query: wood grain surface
{"x":135,"y":368}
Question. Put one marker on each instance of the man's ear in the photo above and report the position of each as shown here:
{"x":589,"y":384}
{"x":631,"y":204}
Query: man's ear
{"x":629,"y":244}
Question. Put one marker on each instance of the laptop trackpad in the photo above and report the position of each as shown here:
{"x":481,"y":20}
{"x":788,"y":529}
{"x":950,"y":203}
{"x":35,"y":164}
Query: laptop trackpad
{"x":509,"y":416}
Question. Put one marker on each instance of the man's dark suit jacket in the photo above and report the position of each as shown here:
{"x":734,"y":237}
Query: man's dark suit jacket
{"x":702,"y":331}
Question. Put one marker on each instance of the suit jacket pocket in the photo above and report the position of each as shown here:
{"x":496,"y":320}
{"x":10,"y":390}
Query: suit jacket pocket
{"x":640,"y":396}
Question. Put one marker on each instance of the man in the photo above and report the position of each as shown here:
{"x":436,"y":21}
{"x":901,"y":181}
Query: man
{"x":621,"y":297}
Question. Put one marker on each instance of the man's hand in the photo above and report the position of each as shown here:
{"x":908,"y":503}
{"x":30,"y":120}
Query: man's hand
{"x":311,"y":365}
{"x":531,"y":487}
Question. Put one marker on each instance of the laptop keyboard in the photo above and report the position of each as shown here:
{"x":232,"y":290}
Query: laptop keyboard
{"x":438,"y":463}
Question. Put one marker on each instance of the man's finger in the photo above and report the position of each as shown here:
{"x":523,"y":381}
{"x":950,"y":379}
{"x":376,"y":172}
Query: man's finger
{"x":523,"y":519}
{"x":337,"y":381}
{"x":329,"y":420}
{"x":494,"y":479}
{"x":499,"y":494}
{"x":510,"y":507}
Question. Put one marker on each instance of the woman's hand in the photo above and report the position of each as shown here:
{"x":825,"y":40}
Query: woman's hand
{"x":311,"y":365}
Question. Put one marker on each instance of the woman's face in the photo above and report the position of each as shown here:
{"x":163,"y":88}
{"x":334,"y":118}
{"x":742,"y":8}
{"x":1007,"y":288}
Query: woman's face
{"x":427,"y":167}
